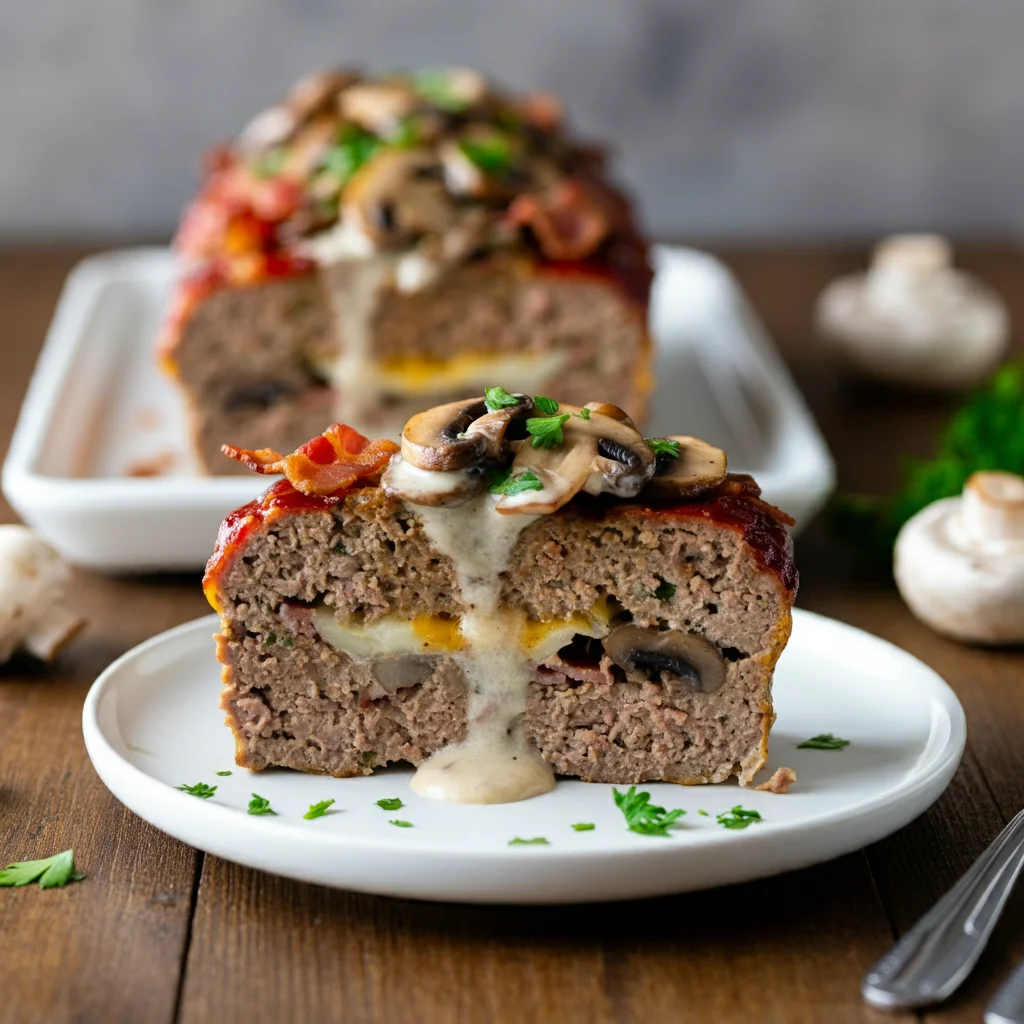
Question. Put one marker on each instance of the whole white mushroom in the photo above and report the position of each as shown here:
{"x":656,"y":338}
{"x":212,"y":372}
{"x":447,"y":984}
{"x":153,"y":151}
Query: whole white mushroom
{"x":33,"y":584}
{"x":914,"y":319}
{"x":959,"y":563}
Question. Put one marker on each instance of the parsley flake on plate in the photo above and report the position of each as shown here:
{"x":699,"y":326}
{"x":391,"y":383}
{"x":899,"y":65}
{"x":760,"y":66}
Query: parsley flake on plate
{"x":584,"y":826}
{"x":200,"y":789}
{"x":536,"y":841}
{"x":642,"y":816}
{"x":548,"y":406}
{"x":260,"y":805}
{"x":222,"y":774}
{"x":504,"y":482}
{"x":390,"y":803}
{"x":824,"y":741}
{"x":546,"y":431}
{"x":498,"y":398}
{"x":399,"y":823}
{"x":663,"y":446}
{"x":738,"y":817}
{"x":317,"y":810}
{"x":703,"y":814}
{"x":51,"y":872}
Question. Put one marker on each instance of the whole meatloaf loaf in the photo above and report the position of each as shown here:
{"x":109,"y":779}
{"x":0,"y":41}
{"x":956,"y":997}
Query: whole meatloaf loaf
{"x":521,"y":589}
{"x":370,"y":246}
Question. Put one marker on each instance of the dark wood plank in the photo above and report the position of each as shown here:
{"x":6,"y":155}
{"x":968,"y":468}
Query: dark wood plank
{"x":109,"y":948}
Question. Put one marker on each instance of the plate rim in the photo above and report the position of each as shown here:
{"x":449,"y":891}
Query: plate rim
{"x":106,"y":758}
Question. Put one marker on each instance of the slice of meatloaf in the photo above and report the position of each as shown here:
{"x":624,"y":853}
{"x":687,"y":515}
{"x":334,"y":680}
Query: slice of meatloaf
{"x":618,"y":639}
{"x":368,"y":247}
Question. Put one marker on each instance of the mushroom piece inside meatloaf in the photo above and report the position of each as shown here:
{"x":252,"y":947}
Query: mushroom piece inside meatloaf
{"x":493,"y":612}
{"x":368,"y":247}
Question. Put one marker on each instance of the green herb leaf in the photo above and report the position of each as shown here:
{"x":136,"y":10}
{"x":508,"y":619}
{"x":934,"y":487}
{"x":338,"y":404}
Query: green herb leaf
{"x":584,"y":413}
{"x":369,"y":756}
{"x":52,"y":872}
{"x":491,"y":153}
{"x":663,"y":446}
{"x":703,"y":814}
{"x":548,"y":406}
{"x":584,"y":826}
{"x":665,"y":591}
{"x":525,"y":480}
{"x":223,"y":773}
{"x":200,"y":789}
{"x":738,"y":817}
{"x":339,"y":549}
{"x":260,"y":805}
{"x":498,"y":398}
{"x":399,"y":823}
{"x":824,"y":741}
{"x":390,"y":803}
{"x":545,"y":431}
{"x":352,"y":148}
{"x":317,"y":810}
{"x":536,"y":841}
{"x":641,"y":815}
{"x":406,"y":133}
{"x":434,"y":85}
{"x":986,"y":433}
{"x":287,"y":641}
{"x":270,"y":639}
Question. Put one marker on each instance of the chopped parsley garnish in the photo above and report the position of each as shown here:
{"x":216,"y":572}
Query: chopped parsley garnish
{"x":434,"y":85}
{"x":339,"y":549}
{"x":536,"y":841}
{"x":369,"y":756}
{"x":390,"y":803}
{"x":271,"y":163}
{"x":504,"y":482}
{"x":665,"y":591}
{"x":584,"y":413}
{"x":584,"y":826}
{"x":545,"y":431}
{"x":200,"y":789}
{"x":351,"y":150}
{"x":663,"y":446}
{"x":498,"y":398}
{"x":703,"y":814}
{"x":642,"y":816}
{"x":738,"y":817}
{"x":824,"y":741}
{"x":223,"y":773}
{"x":548,"y":406}
{"x":287,"y":641}
{"x":492,"y":154}
{"x":317,"y":810}
{"x":51,"y":872}
{"x":399,"y":823}
{"x":260,"y":805}
{"x":406,"y":133}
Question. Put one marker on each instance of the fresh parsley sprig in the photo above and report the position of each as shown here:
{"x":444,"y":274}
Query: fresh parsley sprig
{"x":584,"y":826}
{"x":260,"y":805}
{"x":548,"y":406}
{"x":222,"y":774}
{"x":398,"y":823}
{"x":51,"y":872}
{"x":546,"y":431}
{"x":536,"y":841}
{"x":504,"y":482}
{"x":642,"y":816}
{"x":491,"y":153}
{"x":662,"y":446}
{"x":738,"y":817}
{"x":318,"y":810}
{"x":390,"y":803}
{"x":823,"y":741}
{"x":199,"y":789}
{"x":498,"y":398}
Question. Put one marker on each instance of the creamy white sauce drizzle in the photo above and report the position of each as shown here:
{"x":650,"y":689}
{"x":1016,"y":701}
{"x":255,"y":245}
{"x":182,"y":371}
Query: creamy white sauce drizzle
{"x":495,"y":763}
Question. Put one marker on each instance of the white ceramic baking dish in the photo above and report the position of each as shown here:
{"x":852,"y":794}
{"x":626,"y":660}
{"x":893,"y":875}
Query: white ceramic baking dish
{"x":100,"y":463}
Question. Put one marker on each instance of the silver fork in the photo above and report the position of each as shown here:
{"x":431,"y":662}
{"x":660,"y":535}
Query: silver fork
{"x":928,"y":964}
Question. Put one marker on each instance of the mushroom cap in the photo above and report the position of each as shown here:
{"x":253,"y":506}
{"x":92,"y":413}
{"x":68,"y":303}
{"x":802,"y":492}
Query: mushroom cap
{"x":957,"y":576}
{"x":436,"y":489}
{"x":914,"y":319}
{"x":700,"y":466}
{"x":647,"y":653}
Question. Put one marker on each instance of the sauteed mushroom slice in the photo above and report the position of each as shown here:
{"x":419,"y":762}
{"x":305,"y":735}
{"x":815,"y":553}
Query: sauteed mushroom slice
{"x":397,"y":196}
{"x":377,"y":106}
{"x":317,"y":90}
{"x":651,"y":654}
{"x":438,"y":439}
{"x":700,"y":466}
{"x":607,"y":409}
{"x":493,"y":426}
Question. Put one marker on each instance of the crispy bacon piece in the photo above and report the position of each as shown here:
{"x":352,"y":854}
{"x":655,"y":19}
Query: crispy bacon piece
{"x":569,"y":221}
{"x":334,"y":461}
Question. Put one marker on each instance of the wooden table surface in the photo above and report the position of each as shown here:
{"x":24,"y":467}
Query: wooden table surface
{"x":159,"y":932}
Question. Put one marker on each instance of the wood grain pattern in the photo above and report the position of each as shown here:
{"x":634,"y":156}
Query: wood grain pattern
{"x":127,"y":944}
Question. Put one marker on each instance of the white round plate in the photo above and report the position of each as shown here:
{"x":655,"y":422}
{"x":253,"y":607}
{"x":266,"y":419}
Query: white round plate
{"x":152,"y":722}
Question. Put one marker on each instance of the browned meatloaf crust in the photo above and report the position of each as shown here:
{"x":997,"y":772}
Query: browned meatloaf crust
{"x":719,"y":567}
{"x":247,"y":357}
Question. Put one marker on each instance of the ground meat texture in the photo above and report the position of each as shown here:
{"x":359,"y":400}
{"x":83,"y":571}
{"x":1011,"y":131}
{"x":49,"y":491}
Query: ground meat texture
{"x":252,"y":360}
{"x":293,"y":700}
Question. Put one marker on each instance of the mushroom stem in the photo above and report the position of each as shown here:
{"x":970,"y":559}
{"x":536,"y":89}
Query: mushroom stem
{"x":52,"y":632}
{"x":993,"y":506}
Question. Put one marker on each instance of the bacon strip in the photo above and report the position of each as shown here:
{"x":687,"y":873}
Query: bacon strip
{"x":334,"y":461}
{"x":569,"y":221}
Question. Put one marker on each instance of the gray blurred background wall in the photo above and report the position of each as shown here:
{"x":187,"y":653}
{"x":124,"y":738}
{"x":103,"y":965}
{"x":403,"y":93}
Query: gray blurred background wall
{"x":732,"y":117}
